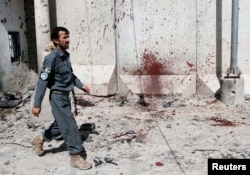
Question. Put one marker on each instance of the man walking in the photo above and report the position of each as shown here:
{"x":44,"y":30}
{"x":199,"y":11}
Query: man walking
{"x":57,"y":75}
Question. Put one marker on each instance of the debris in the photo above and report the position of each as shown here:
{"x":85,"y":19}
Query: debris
{"x":13,"y":143}
{"x":9,"y":103}
{"x":203,"y":150}
{"x":109,"y":160}
{"x":4,"y":112}
{"x":88,"y":100}
{"x":151,"y":148}
{"x":97,"y":161}
{"x":7,"y":162}
{"x":142,"y":100}
{"x":169,"y":125}
{"x":85,"y":103}
{"x":31,"y":87}
{"x":8,"y":100}
{"x":2,"y":129}
{"x":168,"y":104}
{"x":228,"y":156}
{"x":141,"y":137}
{"x":122,"y":102}
{"x":87,"y":127}
{"x":125,"y":135}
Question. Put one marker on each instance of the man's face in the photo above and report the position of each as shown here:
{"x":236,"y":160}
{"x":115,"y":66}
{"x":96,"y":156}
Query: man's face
{"x":63,"y":41}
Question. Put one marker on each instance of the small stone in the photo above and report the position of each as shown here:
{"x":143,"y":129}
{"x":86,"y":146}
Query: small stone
{"x":7,"y":162}
{"x":2,"y":129}
{"x":169,"y":126}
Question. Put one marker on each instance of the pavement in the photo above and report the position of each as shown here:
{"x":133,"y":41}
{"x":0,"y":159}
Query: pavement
{"x":153,"y":136}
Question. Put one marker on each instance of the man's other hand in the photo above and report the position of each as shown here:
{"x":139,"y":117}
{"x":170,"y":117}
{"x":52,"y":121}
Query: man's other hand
{"x":36,"y":111}
{"x":86,"y":89}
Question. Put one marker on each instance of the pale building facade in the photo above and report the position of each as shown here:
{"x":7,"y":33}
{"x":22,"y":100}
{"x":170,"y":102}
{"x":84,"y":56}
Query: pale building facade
{"x":129,"y":47}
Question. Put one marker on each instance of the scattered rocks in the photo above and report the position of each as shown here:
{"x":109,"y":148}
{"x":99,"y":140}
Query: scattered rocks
{"x":1,"y":129}
{"x":149,"y":136}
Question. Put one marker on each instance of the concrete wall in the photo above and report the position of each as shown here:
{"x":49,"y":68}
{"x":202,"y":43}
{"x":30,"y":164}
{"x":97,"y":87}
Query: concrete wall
{"x":13,"y":76}
{"x":183,"y":41}
{"x":92,"y":35}
{"x":214,"y":42}
{"x":151,"y":47}
{"x":158,"y":47}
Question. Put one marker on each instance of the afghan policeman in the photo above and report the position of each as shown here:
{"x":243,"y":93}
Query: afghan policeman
{"x":57,"y":75}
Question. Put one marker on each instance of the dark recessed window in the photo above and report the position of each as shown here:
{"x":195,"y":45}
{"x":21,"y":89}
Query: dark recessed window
{"x":14,"y":45}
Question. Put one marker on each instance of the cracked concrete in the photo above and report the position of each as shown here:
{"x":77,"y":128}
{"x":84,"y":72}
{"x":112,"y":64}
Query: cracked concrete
{"x":172,"y":135}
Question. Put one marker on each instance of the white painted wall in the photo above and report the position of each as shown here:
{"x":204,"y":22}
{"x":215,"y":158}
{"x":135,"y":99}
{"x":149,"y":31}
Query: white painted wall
{"x":208,"y":55}
{"x":112,"y":43}
{"x":13,"y":76}
{"x":42,"y":21}
{"x":157,"y":39}
{"x":158,"y":47}
{"x":92,"y":35}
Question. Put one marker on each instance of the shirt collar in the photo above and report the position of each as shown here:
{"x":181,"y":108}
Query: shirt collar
{"x":61,"y":54}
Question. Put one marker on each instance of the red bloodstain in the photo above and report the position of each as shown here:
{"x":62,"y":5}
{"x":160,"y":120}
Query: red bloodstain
{"x":190,"y":65}
{"x":224,"y":122}
{"x":159,"y":164}
{"x":151,"y":64}
{"x":153,"y":67}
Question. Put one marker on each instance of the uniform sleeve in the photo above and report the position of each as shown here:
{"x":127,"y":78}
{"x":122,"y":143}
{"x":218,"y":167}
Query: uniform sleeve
{"x":77,"y":82}
{"x":43,"y":81}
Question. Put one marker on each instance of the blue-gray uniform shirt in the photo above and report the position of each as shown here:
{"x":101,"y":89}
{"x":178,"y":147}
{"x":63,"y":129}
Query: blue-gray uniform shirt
{"x":56,"y":74}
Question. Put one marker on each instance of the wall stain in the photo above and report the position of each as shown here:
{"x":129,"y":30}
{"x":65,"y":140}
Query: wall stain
{"x":152,"y":66}
{"x":190,"y":65}
{"x":4,"y":20}
{"x":104,"y":30}
{"x":21,"y":25}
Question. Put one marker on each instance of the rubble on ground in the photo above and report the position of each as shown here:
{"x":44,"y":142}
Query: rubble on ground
{"x":153,"y":135}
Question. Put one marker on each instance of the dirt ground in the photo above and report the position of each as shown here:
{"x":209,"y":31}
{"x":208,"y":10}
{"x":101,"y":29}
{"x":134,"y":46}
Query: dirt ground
{"x":154,"y":136}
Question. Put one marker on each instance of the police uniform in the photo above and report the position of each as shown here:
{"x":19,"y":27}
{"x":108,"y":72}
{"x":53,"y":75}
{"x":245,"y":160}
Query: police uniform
{"x":57,"y":75}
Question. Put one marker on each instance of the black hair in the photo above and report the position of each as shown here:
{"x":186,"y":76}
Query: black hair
{"x":55,"y":32}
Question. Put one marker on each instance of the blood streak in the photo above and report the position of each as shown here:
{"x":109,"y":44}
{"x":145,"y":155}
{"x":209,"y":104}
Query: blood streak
{"x":224,"y":122}
{"x":152,"y":67}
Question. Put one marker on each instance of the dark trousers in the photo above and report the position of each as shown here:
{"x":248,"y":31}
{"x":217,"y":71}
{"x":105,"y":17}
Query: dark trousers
{"x":64,"y":124}
{"x":52,"y":132}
